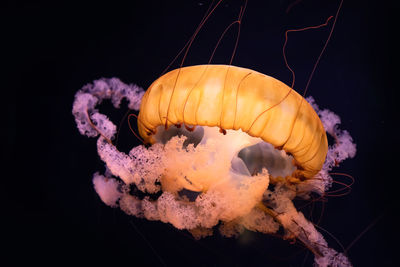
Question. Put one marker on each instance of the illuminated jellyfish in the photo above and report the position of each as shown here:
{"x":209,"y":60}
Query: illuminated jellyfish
{"x":217,"y":155}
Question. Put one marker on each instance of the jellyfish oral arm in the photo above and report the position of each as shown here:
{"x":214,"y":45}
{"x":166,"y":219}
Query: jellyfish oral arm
{"x":86,"y":100}
{"x":298,"y":227}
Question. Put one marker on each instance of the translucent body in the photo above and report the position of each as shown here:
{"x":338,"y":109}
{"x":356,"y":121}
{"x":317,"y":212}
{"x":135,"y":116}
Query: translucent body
{"x":237,"y":98}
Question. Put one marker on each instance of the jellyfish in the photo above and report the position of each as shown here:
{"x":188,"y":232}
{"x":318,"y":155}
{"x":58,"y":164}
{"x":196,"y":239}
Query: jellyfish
{"x":223,"y":147}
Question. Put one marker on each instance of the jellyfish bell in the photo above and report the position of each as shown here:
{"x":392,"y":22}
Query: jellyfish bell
{"x":234,"y":98}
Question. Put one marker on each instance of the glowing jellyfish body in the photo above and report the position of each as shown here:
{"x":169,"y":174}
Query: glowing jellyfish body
{"x":221,"y":170}
{"x":237,"y":98}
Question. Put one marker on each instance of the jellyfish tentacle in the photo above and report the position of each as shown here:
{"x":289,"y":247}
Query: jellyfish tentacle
{"x":130,"y":127}
{"x":203,"y":21}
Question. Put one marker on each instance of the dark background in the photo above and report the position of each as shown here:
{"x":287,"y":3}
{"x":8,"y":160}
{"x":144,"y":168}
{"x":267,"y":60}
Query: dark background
{"x":53,"y":48}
